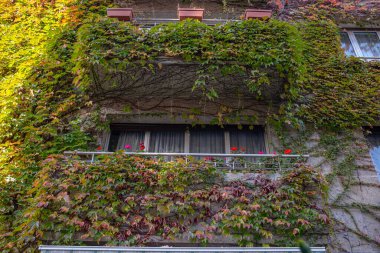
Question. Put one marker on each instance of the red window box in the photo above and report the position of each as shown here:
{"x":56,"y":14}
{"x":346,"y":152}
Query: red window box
{"x":122,"y":14}
{"x":192,"y":13}
{"x":257,"y":14}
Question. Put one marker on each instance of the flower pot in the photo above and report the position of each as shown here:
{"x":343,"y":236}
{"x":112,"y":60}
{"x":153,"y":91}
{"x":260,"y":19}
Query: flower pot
{"x":257,"y":14}
{"x":122,"y":14}
{"x":184,"y":13}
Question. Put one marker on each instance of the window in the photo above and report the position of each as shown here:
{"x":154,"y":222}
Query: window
{"x":121,"y":139}
{"x":374,"y":141}
{"x":362,"y":44}
{"x":186,"y":139}
{"x":167,"y":141}
{"x":346,"y":45}
{"x":207,"y":140}
{"x":369,"y":43}
{"x":251,"y":141}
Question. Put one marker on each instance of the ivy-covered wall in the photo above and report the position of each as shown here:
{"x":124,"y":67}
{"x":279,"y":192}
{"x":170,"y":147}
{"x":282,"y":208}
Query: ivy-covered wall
{"x":321,"y":86}
{"x":49,"y":48}
{"x":124,"y":200}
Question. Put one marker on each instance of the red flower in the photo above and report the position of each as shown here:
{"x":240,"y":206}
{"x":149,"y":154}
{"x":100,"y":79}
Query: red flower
{"x":234,"y":149}
{"x":287,"y":151}
{"x":261,"y":152}
{"x":142,"y":147}
{"x":99,"y":148}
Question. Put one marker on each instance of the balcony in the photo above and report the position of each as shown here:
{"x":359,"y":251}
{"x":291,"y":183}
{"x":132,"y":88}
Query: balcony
{"x":148,"y":19}
{"x":110,"y":198}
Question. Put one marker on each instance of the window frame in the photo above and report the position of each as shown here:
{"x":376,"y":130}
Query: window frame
{"x":355,"y":44}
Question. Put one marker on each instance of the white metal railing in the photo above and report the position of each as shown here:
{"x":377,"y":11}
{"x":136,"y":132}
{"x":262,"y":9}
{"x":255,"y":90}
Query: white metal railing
{"x":150,"y":22}
{"x":370,"y":58}
{"x":94,"y":249}
{"x":220,"y":161}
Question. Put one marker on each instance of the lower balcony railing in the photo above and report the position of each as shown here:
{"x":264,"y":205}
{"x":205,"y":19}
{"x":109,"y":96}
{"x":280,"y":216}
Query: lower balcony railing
{"x":77,"y":249}
{"x":220,"y":161}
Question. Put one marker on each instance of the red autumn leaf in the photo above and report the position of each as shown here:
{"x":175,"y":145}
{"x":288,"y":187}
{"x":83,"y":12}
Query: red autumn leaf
{"x":254,"y":207}
{"x":303,"y":222}
{"x":64,"y":209}
{"x":42,"y":204}
{"x":324,"y":218}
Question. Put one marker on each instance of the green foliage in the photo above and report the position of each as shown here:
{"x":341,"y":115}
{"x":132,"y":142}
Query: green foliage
{"x":304,"y":247}
{"x":337,"y":92}
{"x":321,"y":85}
{"x":48,"y":50}
{"x":126,"y":200}
{"x":247,"y":46}
{"x":37,"y":98}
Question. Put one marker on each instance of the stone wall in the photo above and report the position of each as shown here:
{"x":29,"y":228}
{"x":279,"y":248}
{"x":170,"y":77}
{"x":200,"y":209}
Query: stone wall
{"x":354,"y":188}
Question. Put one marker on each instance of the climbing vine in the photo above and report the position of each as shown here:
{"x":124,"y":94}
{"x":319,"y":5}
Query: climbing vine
{"x":113,"y":47}
{"x":48,"y":53}
{"x":128,"y":200}
{"x":321,"y":85}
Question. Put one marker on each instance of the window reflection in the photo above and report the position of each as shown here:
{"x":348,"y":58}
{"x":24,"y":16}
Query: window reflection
{"x":369,"y":43}
{"x":374,"y":141}
{"x":346,"y":44}
{"x":375,"y":154}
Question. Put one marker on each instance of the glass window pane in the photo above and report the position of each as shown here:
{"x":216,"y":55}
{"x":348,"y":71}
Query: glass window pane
{"x":167,"y":141}
{"x":375,"y":154}
{"x":346,"y":44}
{"x":374,"y":141}
{"x":369,"y":43}
{"x":248,"y":141}
{"x":130,"y":140}
{"x":207,"y":141}
{"x":374,"y":137}
{"x":114,"y":139}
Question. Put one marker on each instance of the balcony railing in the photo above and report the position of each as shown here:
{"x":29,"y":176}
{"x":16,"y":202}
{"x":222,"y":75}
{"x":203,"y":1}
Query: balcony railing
{"x":148,"y":19}
{"x":83,"y":249}
{"x":219,"y":161}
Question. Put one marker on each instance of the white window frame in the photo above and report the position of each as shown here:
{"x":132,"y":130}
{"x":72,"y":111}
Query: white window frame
{"x":355,"y":44}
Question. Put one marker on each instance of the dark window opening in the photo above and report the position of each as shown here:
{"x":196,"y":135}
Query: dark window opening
{"x":160,"y":138}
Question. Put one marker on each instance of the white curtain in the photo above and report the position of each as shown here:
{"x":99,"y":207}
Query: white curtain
{"x":251,"y":141}
{"x":207,"y":141}
{"x":130,"y":138}
{"x":369,"y":43}
{"x":167,"y":141}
